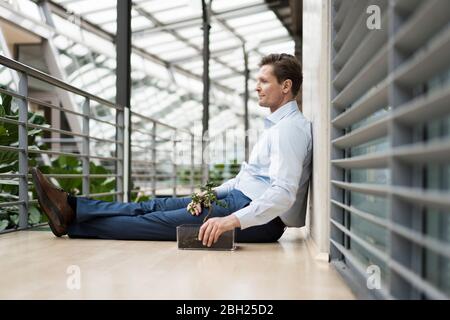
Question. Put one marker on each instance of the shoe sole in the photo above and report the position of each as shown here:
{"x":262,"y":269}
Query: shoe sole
{"x":42,"y":195}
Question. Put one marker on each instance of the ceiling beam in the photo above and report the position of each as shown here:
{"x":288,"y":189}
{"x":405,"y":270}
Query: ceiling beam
{"x":196,"y":21}
{"x":186,"y":41}
{"x":91,"y":27}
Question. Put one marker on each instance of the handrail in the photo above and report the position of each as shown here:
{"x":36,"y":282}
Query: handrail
{"x":32,"y":72}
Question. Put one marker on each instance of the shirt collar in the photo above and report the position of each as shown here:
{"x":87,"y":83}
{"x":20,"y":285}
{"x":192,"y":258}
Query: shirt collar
{"x":280,"y":113}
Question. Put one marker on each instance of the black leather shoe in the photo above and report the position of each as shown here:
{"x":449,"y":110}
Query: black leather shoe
{"x":53,"y":201}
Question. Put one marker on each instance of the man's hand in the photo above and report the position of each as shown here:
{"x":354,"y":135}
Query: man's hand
{"x":211,"y":230}
{"x":195,"y":208}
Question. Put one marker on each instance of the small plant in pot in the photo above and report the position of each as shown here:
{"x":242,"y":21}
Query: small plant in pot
{"x":187,"y":234}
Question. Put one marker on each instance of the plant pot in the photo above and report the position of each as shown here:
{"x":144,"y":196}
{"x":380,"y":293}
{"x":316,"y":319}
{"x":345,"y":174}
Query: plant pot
{"x":187,"y":238}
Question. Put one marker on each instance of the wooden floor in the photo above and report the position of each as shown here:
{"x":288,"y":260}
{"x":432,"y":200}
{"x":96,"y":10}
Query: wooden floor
{"x":37,"y":265}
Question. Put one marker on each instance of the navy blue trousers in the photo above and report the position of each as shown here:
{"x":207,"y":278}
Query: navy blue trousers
{"x":158,"y":218}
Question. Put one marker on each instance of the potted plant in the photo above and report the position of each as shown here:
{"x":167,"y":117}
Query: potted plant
{"x":187,"y":234}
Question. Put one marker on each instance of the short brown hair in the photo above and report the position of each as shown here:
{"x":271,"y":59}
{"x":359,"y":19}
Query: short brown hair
{"x":285,"y":66}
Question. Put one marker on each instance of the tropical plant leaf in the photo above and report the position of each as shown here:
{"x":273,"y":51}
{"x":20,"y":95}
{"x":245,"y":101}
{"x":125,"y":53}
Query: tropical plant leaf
{"x":3,"y":224}
{"x":34,"y":216}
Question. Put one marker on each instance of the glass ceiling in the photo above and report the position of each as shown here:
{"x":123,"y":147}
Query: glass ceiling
{"x":167,"y":61}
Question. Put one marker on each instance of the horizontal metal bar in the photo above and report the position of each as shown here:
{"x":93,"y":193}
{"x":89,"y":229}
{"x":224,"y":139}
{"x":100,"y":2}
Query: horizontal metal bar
{"x":424,"y":108}
{"x":75,"y":176}
{"x":427,"y":62}
{"x":14,"y":149}
{"x":141,"y":132}
{"x":342,"y":12}
{"x":357,"y":36}
{"x":11,"y":121}
{"x":407,"y":6}
{"x":105,"y":140}
{"x":10,"y":176}
{"x":159,"y":122}
{"x":375,"y":160}
{"x":377,"y":190}
{"x":434,"y":199}
{"x":431,"y":152}
{"x":425,"y":241}
{"x":100,"y":194}
{"x":151,"y":176}
{"x":364,"y":215}
{"x":354,"y":14}
{"x":367,"y":133}
{"x":11,"y":204}
{"x":374,"y":72}
{"x":423,"y":25}
{"x":141,"y":190}
{"x":418,"y":153}
{"x":161,"y":139}
{"x":359,"y":267}
{"x":78,"y":155}
{"x":12,"y":94}
{"x":375,"y":99}
{"x":439,"y":247}
{"x":135,"y":161}
{"x":61,"y":109}
{"x":105,"y":122}
{"x":363,"y":243}
{"x":104,"y":158}
{"x":50,"y":129}
{"x":12,"y":64}
{"x":430,"y":290}
{"x":12,"y":230}
{"x":51,"y":106}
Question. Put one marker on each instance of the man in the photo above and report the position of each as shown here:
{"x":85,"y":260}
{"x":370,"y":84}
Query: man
{"x":265,"y":197}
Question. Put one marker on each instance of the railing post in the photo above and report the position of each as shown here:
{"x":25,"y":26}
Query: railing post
{"x":86,"y":147}
{"x":174,"y":166}
{"x":206,"y":85}
{"x":246,"y":95}
{"x":123,"y":86}
{"x":126,"y":155}
{"x":120,"y":145}
{"x":192,"y":162}
{"x":154,"y":159}
{"x":224,"y":144}
{"x":23,"y":154}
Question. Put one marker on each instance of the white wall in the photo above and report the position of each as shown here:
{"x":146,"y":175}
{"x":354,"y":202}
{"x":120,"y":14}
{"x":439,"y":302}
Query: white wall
{"x":316,"y":107}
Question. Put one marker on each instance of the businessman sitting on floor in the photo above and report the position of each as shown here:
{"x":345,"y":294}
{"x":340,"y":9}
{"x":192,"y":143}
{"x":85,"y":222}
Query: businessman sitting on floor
{"x":261,"y":201}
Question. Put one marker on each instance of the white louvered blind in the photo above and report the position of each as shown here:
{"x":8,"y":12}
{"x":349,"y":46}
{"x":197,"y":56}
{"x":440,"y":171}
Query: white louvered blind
{"x":390,"y":140}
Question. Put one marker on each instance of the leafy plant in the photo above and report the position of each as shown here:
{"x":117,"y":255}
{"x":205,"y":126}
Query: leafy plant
{"x":9,"y":164}
{"x":9,"y":161}
{"x":206,"y":199}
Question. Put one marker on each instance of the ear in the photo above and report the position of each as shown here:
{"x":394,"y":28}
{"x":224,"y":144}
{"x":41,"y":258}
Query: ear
{"x":287,"y":85}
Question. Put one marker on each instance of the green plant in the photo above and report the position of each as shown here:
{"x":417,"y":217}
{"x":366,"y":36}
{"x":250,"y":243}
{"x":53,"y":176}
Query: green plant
{"x":9,"y":161}
{"x":9,"y":164}
{"x":206,"y":199}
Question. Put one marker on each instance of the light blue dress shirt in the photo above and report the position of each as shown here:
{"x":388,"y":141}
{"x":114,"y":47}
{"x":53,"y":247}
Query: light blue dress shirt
{"x":277,"y":173}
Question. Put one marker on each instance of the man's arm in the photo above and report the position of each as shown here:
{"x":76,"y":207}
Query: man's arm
{"x":223,"y":190}
{"x":289,"y":147}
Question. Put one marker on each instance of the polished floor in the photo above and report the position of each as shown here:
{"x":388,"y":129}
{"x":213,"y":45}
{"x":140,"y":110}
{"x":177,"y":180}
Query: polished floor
{"x":37,"y":265}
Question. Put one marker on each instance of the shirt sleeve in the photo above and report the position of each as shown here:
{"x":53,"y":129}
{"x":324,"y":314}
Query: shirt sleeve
{"x":223,"y":190}
{"x":289,"y":145}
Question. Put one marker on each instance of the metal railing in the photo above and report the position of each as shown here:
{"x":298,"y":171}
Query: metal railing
{"x":154,"y":175}
{"x":160,"y":155}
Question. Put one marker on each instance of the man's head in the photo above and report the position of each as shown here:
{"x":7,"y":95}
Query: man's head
{"x":279,"y":80}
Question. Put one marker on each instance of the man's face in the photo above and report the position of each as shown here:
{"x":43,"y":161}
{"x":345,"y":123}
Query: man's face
{"x":270,"y":92}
